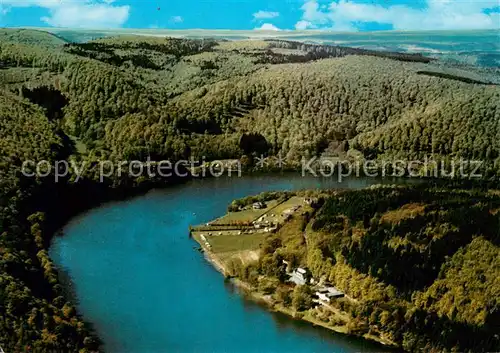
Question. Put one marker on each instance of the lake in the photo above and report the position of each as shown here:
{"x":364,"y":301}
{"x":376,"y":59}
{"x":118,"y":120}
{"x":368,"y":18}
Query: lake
{"x":139,"y":280}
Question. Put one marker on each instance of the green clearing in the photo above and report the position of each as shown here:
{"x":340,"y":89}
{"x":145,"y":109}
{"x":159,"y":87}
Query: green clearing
{"x":293,"y":201}
{"x":247,"y":215}
{"x":277,"y":212}
{"x":226,"y":243}
{"x":273,"y":208}
{"x":229,"y":242}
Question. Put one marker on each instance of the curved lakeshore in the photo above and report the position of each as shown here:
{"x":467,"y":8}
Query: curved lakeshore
{"x":103,"y":141}
{"x":376,"y":263}
{"x":250,"y":292}
{"x":128,"y":262}
{"x":209,"y":235}
{"x":380,"y":263}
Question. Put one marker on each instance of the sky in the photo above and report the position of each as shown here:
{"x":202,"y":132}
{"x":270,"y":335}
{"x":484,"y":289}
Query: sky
{"x":334,"y":15}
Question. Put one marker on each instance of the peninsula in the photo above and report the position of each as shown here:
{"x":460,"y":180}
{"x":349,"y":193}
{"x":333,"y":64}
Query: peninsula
{"x":85,"y":114}
{"x":399,"y":265}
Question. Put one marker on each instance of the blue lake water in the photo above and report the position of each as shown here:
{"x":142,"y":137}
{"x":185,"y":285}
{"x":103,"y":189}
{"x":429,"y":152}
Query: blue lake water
{"x":139,"y":280}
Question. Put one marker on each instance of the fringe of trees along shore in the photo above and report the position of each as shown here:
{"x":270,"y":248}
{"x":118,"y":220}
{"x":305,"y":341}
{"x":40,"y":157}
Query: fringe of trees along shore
{"x":420,"y":265}
{"x":132,"y":98}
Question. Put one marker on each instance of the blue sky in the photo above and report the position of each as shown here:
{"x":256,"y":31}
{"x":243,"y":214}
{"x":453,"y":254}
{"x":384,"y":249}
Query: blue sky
{"x":337,"y":15}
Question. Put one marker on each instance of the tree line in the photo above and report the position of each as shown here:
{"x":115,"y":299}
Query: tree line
{"x":134,"y":98}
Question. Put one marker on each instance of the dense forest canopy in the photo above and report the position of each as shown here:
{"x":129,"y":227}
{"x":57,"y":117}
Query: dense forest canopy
{"x":138,"y":97}
{"x":419,"y":266}
{"x":173,"y":97}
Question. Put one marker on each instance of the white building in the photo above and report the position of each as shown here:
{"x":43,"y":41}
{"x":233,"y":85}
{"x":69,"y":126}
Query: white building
{"x":259,"y":205}
{"x":326,"y":294}
{"x":298,"y":276}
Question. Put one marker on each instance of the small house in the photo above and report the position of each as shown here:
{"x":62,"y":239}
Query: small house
{"x":326,"y":294}
{"x":299,"y":276}
{"x":311,"y":201}
{"x":259,"y":205}
{"x":301,"y":270}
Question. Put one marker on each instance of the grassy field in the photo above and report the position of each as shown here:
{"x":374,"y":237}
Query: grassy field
{"x":244,"y":216}
{"x":225,"y":246}
{"x":273,"y":208}
{"x":230,"y":242}
{"x":275,"y":215}
{"x":293,"y":201}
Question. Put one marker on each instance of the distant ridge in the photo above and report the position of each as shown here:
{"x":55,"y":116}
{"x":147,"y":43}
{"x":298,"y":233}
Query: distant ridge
{"x":31,"y":36}
{"x":461,"y":47}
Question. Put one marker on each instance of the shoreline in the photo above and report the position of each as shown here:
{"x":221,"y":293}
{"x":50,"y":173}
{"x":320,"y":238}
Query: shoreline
{"x":272,"y":306}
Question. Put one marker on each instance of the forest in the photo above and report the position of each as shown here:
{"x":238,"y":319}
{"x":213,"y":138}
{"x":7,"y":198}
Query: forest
{"x":129,"y":97}
{"x":419,"y":265}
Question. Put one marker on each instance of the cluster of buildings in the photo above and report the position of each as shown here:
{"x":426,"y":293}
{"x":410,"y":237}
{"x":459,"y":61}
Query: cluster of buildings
{"x":265,"y":223}
{"x":324,"y":293}
{"x":327,"y":293}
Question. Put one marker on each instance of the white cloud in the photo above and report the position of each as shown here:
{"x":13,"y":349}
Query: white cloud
{"x":263,"y":15}
{"x":28,"y":3}
{"x":78,"y":13}
{"x":176,"y":19}
{"x":88,"y":15}
{"x":267,"y":27}
{"x":437,"y":14}
{"x":302,"y":24}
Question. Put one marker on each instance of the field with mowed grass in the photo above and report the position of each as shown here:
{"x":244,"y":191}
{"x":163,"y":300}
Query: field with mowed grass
{"x":230,"y":241}
{"x":246,"y":215}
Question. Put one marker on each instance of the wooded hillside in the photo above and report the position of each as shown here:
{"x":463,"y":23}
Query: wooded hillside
{"x":164,"y":98}
{"x":419,"y":266}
